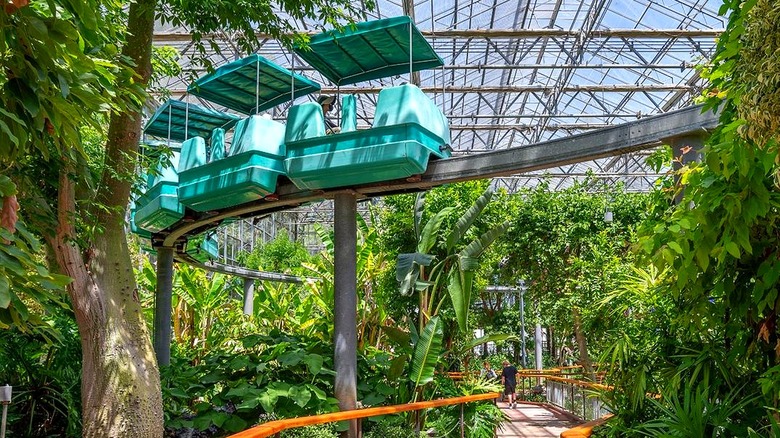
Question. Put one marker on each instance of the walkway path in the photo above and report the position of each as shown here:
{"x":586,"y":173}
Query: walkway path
{"x":532,"y":421}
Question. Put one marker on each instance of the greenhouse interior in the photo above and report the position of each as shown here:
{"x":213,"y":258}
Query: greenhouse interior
{"x":520,"y":218}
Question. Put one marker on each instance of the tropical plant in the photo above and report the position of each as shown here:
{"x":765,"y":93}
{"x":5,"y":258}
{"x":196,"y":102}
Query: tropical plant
{"x":455,"y":271}
{"x":68,"y":64}
{"x":46,"y":376}
{"x":369,"y":265}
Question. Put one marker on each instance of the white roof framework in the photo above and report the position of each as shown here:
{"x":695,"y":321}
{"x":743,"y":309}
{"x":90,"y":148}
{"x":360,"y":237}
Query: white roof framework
{"x":522,"y":71}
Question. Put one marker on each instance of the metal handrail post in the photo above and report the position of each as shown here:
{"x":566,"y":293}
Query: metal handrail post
{"x":462,"y":423}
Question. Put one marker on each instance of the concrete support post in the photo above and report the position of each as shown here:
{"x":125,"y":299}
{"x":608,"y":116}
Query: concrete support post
{"x":249,"y":296}
{"x":685,"y":149}
{"x":345,"y":306}
{"x":162,"y":305}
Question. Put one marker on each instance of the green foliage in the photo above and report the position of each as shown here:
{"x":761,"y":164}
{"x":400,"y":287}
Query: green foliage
{"x":279,"y":255}
{"x":276,"y":374}
{"x":46,"y":379}
{"x":481,"y":419}
{"x":60,"y":66}
{"x":391,"y":427}
{"x":27,"y":288}
{"x":715,"y":291}
{"x":426,"y":353}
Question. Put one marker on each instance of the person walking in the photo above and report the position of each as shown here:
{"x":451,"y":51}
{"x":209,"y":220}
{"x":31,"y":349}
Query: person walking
{"x":487,"y":372}
{"x":509,"y":380}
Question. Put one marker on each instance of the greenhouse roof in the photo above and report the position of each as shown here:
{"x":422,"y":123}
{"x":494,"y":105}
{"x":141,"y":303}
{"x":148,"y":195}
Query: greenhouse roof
{"x":518,"y":72}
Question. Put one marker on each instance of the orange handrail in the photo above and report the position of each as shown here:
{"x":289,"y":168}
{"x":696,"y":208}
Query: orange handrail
{"x":272,"y":427}
{"x":585,"y":430}
{"x":583,"y":384}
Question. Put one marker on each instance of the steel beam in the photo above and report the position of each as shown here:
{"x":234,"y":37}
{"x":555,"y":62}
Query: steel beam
{"x":629,"y":137}
{"x":242,"y":272}
{"x":533,"y":88}
{"x":171,"y":37}
{"x":162,"y":305}
{"x":345,"y":305}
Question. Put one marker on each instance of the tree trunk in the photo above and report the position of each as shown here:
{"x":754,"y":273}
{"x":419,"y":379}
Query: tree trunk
{"x":120,"y":388}
{"x":582,"y":345}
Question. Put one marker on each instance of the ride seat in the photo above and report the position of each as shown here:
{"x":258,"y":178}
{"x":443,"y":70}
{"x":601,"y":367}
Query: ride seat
{"x":259,"y":134}
{"x":348,"y":113}
{"x":193,"y":154}
{"x":304,"y":121}
{"x":408,"y":104}
{"x":217,"y":144}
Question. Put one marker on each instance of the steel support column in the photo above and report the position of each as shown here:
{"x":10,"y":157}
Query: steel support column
{"x":522,"y":327}
{"x":249,"y":296}
{"x":345,"y":306}
{"x":162,"y":305}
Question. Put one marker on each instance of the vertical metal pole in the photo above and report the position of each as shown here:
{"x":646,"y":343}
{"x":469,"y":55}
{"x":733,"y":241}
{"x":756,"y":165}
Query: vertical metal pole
{"x":345,"y":306}
{"x":186,"y":118}
{"x":522,"y":327}
{"x":538,"y":344}
{"x":162,"y":305}
{"x":292,"y":81}
{"x":170,"y":112}
{"x":411,"y":53}
{"x":257,"y":86}
{"x":462,"y":423}
{"x":249,"y":296}
{"x":2,"y":422}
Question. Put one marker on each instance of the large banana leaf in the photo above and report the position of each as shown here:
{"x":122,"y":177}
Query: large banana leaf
{"x":407,"y":269}
{"x":468,"y":218}
{"x":479,"y":245}
{"x":431,"y":230}
{"x":419,"y":208}
{"x":459,"y":287}
{"x":426,"y":353}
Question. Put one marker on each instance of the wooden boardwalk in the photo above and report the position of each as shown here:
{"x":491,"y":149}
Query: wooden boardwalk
{"x":533,"y":421}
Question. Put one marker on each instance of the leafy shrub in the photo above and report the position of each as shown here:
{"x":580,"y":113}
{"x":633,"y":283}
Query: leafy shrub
{"x":263,"y":378}
{"x":46,"y":377}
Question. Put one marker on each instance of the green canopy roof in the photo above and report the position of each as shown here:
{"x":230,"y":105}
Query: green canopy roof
{"x":236,"y":85}
{"x":198,"y":120}
{"x":369,"y":50}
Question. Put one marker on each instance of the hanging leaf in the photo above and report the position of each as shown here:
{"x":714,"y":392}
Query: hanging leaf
{"x":431,"y":230}
{"x":419,"y":208}
{"x":478,"y":246}
{"x":426,"y":353}
{"x":460,"y":298}
{"x":468,"y":218}
{"x":406,"y":261}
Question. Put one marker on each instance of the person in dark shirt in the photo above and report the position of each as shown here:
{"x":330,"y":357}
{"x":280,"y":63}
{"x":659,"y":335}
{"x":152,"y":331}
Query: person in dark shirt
{"x":509,"y":380}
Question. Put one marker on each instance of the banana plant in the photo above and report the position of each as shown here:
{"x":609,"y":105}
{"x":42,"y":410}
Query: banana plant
{"x":369,"y":265}
{"x":455,"y":271}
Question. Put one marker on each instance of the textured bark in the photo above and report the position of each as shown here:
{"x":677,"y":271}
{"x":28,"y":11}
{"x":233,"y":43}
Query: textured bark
{"x":120,"y":380}
{"x":582,"y":345}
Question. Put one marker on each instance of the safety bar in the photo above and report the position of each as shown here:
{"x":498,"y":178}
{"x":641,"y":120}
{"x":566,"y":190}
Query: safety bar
{"x":275,"y":427}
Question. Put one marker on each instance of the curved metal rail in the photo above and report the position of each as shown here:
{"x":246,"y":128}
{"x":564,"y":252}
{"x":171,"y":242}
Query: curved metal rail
{"x":641,"y":134}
